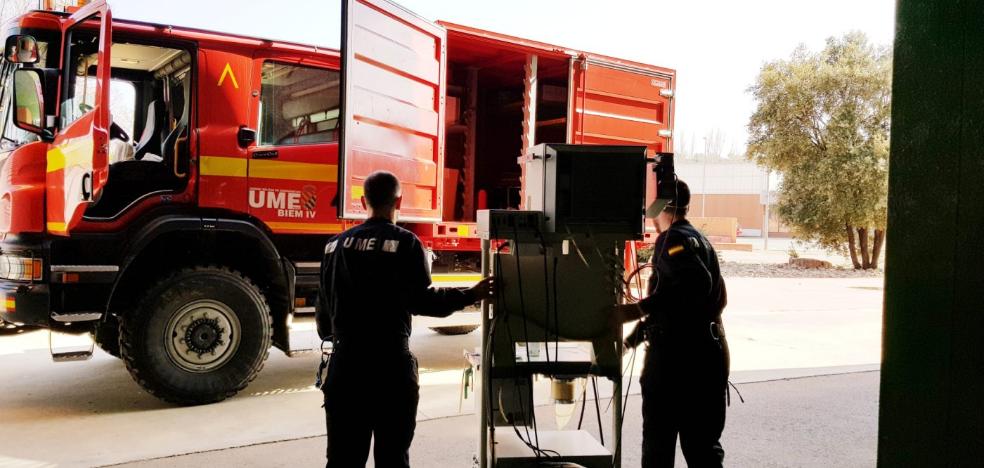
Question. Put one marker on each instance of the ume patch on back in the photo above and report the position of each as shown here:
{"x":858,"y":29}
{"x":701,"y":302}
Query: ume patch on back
{"x":366,"y":244}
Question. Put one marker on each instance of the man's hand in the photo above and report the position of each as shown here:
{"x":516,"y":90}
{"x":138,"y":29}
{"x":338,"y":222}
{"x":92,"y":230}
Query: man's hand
{"x":485,"y":289}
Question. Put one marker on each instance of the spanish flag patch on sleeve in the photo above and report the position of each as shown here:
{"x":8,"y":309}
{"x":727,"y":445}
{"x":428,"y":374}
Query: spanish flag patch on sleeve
{"x":675,"y":250}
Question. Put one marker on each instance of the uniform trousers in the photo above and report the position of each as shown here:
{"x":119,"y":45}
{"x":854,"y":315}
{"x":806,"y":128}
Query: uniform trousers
{"x":370,"y":395}
{"x":683,"y":394}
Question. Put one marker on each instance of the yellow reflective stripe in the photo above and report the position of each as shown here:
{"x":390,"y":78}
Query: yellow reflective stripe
{"x":283,"y":226}
{"x":675,"y":250}
{"x":56,"y":159}
{"x":9,"y":305}
{"x":452,"y":278}
{"x":57,"y":227}
{"x":75,"y":152}
{"x":268,"y":169}
{"x":222,"y":166}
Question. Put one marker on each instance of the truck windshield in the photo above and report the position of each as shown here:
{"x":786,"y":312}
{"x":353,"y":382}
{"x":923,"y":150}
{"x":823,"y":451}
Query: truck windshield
{"x":12,"y":136}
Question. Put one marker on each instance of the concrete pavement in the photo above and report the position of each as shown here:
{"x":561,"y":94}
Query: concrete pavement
{"x":91,"y":413}
{"x":803,"y":422}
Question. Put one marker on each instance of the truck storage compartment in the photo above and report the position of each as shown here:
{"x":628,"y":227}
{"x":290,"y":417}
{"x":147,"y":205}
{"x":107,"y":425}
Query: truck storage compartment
{"x":485,"y":113}
{"x":486,"y":108}
{"x":506,"y":94}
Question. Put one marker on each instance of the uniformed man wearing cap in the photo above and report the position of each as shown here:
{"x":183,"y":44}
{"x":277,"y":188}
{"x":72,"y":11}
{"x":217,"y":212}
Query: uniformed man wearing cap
{"x":685,"y":378}
{"x":373,"y":278}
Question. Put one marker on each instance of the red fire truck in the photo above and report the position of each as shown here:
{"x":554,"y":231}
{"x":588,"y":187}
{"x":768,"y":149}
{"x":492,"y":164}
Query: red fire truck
{"x":170,"y":190}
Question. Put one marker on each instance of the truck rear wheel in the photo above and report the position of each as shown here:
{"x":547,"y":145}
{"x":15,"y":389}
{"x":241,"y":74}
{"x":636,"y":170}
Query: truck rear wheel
{"x":107,"y":336}
{"x":199,"y":336}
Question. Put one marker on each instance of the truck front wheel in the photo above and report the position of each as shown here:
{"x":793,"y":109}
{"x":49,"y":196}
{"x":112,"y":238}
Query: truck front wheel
{"x":199,"y":336}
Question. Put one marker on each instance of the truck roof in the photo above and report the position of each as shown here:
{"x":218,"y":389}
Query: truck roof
{"x":221,"y":37}
{"x":39,"y":17}
{"x":476,"y":34}
{"x":531,"y":46}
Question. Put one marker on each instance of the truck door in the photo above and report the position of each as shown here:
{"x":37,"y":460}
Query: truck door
{"x":292,"y":168}
{"x":620,"y":105}
{"x":393,"y":88}
{"x":77,"y":159}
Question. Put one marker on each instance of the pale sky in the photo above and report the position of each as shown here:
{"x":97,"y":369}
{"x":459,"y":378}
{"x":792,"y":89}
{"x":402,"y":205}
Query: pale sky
{"x":716,"y":47}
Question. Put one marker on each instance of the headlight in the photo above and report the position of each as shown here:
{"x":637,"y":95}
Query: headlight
{"x":21,"y":268}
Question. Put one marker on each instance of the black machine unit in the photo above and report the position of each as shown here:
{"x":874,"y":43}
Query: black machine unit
{"x":588,"y":188}
{"x":559,"y":270}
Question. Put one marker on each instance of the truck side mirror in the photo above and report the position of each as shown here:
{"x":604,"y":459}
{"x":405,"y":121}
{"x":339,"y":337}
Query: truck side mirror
{"x":29,"y":100}
{"x":21,"y":48}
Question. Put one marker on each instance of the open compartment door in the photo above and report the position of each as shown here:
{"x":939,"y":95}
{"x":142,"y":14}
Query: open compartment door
{"x":615,"y":104}
{"x":393,"y":88}
{"x":77,"y":165}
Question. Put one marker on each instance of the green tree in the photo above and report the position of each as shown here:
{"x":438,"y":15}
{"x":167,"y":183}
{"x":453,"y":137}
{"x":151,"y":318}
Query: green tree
{"x":822,"y":121}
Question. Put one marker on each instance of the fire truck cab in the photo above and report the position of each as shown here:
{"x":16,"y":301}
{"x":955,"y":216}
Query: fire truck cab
{"x":171,"y":190}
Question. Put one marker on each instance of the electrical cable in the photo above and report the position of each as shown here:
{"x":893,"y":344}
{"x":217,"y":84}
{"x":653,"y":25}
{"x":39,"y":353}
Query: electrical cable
{"x":546,"y":297}
{"x":632,"y":276}
{"x":487,"y":394}
{"x":522,"y":308}
{"x":531,"y":442}
{"x":519,"y":397}
{"x":547,"y":294}
{"x":522,"y":300}
{"x":656,"y":259}
{"x":505,"y":313}
{"x":625,"y":406}
{"x":584,"y":402}
{"x":594,"y":385}
{"x":556,"y":311}
{"x":611,"y":401}
{"x":546,"y":453}
{"x":526,"y":337}
{"x":577,"y":249}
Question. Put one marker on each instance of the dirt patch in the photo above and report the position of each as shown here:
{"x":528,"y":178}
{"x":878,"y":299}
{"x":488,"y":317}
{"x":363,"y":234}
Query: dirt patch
{"x":783,"y":270}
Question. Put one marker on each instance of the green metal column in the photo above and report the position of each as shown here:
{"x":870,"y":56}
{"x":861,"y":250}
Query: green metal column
{"x":932,"y":384}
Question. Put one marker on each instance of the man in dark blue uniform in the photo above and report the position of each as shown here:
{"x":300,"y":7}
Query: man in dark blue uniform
{"x":685,"y":378}
{"x":373,"y":278}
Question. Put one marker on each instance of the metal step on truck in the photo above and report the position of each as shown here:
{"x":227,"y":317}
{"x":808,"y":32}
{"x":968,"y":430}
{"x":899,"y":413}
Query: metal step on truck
{"x":170,"y":190}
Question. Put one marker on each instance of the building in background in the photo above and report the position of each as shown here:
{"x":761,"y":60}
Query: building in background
{"x":735,"y":188}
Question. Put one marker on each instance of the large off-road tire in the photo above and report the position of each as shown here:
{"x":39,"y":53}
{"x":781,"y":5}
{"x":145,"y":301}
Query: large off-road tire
{"x":199,"y":336}
{"x":107,"y":336}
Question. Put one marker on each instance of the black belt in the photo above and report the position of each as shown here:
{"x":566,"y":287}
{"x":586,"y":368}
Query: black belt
{"x":713,"y":330}
{"x":375,"y":344}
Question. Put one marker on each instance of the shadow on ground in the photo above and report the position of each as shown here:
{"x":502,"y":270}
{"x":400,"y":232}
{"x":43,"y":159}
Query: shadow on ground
{"x":102,"y":385}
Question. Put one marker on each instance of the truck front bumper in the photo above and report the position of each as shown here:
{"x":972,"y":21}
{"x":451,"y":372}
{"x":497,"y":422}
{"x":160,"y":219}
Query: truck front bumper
{"x":24,"y":304}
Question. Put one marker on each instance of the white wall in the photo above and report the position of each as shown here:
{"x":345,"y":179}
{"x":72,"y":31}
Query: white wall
{"x":722,"y":178}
